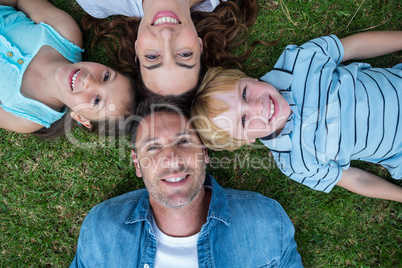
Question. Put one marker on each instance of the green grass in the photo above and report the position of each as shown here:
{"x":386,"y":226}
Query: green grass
{"x":47,"y":188}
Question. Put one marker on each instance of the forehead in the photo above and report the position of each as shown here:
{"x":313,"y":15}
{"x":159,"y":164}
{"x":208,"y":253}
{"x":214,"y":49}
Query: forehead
{"x":163,"y":125}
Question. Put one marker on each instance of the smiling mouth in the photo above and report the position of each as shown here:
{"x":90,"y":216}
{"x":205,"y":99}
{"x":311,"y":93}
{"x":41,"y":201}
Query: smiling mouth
{"x":165,"y":17}
{"x":272,"y":110}
{"x":176,"y":179}
{"x":166,"y":20}
{"x":74,"y":78}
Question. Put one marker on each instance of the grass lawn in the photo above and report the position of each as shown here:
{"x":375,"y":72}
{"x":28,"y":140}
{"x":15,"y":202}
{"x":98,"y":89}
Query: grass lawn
{"x":47,"y":188}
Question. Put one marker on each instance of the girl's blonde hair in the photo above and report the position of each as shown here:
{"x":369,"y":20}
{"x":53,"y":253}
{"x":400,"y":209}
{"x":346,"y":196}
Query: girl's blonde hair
{"x":205,"y":108}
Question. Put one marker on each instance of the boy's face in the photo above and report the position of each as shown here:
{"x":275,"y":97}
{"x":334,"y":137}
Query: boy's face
{"x":256,"y":110}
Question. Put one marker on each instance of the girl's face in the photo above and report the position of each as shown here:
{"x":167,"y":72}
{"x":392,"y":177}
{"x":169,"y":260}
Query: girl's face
{"x":92,"y":90}
{"x":168,"y":47}
{"x":256,"y":110}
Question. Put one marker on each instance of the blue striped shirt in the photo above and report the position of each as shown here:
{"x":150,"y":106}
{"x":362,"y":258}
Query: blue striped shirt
{"x":341,"y":113}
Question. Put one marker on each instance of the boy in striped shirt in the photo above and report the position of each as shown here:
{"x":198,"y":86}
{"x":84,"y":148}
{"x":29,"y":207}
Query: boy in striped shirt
{"x":314,"y":113}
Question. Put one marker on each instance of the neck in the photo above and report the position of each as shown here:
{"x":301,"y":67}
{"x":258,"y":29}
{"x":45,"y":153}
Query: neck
{"x":49,"y":84}
{"x":39,"y":78}
{"x":183,"y":221}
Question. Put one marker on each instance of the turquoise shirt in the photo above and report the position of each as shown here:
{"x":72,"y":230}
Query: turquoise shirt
{"x":340,"y":113}
{"x":20,"y":41}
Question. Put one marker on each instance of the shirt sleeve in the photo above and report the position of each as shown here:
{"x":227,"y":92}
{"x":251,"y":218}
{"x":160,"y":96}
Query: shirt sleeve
{"x":104,"y":8}
{"x":206,"y":6}
{"x":321,"y":176}
{"x":330,"y":46}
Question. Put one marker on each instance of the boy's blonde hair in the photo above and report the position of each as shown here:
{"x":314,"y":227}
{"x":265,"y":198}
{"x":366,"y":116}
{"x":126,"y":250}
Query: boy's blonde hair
{"x":205,"y":108}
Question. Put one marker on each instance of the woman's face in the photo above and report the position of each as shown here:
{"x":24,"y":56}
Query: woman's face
{"x":168,"y":47}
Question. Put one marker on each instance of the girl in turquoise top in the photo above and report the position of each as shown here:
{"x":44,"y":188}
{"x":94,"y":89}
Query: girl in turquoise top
{"x":42,"y":73}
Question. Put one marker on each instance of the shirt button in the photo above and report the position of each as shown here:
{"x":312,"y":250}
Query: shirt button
{"x":20,"y":61}
{"x":146,"y":265}
{"x":10,"y":54}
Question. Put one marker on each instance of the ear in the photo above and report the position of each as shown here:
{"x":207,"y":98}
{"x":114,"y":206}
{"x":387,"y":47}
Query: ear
{"x":80,"y":119}
{"x":206,"y":156}
{"x":136,"y":164}
{"x":201,"y":46}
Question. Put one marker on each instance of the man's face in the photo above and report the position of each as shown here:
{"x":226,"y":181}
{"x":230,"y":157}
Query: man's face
{"x":170,"y":158}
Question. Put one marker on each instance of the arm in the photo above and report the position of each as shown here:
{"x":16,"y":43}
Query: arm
{"x":371,"y":44}
{"x":364,"y":183}
{"x":43,"y":11}
{"x":17,"y":124}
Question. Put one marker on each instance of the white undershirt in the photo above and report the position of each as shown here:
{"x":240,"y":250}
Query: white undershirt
{"x":175,"y":252}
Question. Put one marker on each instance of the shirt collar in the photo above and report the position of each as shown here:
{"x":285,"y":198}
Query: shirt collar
{"x":218,"y":208}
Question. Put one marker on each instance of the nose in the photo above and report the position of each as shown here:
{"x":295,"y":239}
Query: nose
{"x":88,"y":82}
{"x":256,"y":107}
{"x":174,"y":160}
{"x":167,"y":33}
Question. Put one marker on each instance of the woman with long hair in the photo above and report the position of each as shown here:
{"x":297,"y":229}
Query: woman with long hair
{"x":174,"y":42}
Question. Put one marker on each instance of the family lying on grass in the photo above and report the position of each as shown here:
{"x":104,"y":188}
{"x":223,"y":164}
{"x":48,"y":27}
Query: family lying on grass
{"x":314,"y":113}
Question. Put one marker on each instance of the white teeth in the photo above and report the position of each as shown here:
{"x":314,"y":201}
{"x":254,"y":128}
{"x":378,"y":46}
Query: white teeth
{"x":271,"y":113}
{"x":176,"y":179}
{"x":166,"y":19}
{"x":73,"y":79}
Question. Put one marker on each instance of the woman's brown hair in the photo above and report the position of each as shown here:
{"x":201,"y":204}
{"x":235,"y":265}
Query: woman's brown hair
{"x":222,"y":31}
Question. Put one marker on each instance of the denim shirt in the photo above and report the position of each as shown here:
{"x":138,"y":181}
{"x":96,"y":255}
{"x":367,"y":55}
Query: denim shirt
{"x":243,"y":229}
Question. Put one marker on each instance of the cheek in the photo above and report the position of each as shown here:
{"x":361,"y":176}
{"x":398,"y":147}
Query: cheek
{"x":148,"y":165}
{"x":257,"y":124}
{"x":190,"y":37}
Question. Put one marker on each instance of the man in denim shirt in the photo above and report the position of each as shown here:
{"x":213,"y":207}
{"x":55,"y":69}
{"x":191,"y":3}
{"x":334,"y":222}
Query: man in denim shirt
{"x":183,"y":218}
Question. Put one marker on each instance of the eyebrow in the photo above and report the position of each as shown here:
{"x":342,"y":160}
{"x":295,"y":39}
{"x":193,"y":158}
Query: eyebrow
{"x":155,"y":66}
{"x":151,"y":67}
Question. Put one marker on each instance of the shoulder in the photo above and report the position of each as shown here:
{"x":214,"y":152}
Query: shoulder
{"x":322,"y":49}
{"x":255,"y":202}
{"x":17,"y":124}
{"x":130,"y":198}
{"x":123,"y":204}
{"x":105,"y":8}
